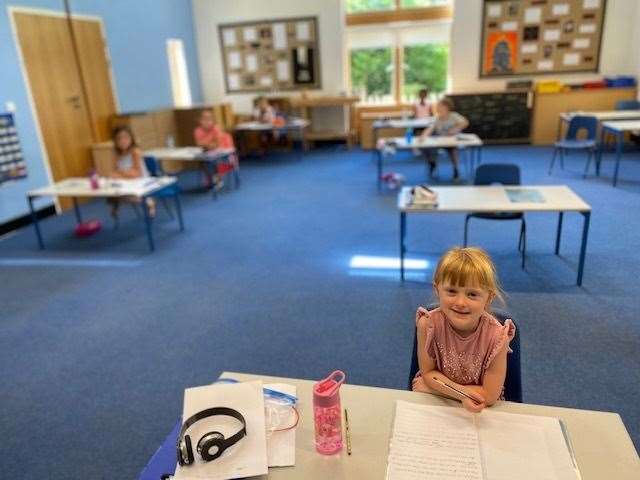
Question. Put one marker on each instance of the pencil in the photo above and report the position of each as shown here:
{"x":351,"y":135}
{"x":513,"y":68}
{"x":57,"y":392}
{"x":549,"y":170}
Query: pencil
{"x":460,"y":392}
{"x":347,"y":431}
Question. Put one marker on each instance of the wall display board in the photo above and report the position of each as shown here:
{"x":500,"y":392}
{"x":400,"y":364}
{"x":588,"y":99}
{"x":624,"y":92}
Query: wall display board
{"x":12,"y":164}
{"x":270,"y":55}
{"x":496,"y":117}
{"x":525,"y":37}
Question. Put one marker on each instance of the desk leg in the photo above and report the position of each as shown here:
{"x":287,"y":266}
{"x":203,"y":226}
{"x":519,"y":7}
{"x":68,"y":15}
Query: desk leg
{"x":379,"y":170}
{"x":76,"y":210}
{"x":147,"y":223}
{"x":559,"y":232}
{"x":176,"y":198}
{"x":211,"y":168}
{"x":34,"y":220}
{"x":583,"y":247}
{"x":600,"y":151}
{"x":403,"y":232}
{"x":619,"y":142}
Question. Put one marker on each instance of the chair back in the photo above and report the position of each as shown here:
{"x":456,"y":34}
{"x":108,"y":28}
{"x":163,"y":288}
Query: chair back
{"x":513,"y":379}
{"x":582,"y":122}
{"x":152,"y":166}
{"x":502,"y":173}
{"x":627,"y":105}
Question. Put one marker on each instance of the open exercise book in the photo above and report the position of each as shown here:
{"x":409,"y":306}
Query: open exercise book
{"x":445,"y":443}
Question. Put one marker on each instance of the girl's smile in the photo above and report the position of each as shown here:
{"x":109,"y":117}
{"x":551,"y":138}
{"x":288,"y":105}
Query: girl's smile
{"x":463,"y":306}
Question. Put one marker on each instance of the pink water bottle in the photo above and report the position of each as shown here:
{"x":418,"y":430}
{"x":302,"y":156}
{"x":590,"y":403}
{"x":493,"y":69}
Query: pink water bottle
{"x":327,"y":413}
{"x":94,"y":180}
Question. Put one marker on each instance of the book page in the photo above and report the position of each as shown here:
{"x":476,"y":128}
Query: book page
{"x":525,"y":447}
{"x":433,"y":443}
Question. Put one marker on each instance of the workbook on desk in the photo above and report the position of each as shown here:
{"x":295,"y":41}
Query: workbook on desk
{"x":446,"y":443}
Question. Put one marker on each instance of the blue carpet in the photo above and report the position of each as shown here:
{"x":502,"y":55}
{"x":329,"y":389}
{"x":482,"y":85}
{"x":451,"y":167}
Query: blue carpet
{"x":98,"y":338}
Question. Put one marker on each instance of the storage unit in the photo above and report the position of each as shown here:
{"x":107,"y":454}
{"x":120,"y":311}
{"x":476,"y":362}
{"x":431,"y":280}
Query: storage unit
{"x":331,"y":117}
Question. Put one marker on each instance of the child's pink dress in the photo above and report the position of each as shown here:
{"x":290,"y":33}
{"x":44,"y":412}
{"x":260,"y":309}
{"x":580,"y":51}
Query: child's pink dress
{"x":464,"y":359}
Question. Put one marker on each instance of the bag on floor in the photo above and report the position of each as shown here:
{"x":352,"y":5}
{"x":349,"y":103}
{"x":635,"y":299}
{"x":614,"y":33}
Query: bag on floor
{"x":88,"y":228}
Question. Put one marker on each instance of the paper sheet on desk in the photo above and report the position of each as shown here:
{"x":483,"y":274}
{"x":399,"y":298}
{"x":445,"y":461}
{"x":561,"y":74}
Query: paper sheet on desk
{"x":246,"y":458}
{"x":281,"y":446}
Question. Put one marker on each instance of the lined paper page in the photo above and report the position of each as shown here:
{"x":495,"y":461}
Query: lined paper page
{"x":433,"y":443}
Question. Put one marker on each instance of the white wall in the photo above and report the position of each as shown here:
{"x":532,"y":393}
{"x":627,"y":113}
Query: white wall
{"x":208,"y":14}
{"x":619,"y":54}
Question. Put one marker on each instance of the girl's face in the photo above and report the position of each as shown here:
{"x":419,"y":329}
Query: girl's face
{"x":463,"y":306}
{"x":206,"y":120}
{"x":123,"y":141}
{"x":442,"y":110}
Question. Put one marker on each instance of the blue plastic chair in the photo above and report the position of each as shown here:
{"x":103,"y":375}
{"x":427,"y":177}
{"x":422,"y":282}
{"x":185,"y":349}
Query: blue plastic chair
{"x":504,"y":174}
{"x":155,"y":170}
{"x":571,"y":141}
{"x":513,"y":379}
{"x":628,"y":105}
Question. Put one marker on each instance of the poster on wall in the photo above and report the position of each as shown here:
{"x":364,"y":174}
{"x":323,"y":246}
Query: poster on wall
{"x":524,"y":37}
{"x":265,"y":55}
{"x":12,"y":166}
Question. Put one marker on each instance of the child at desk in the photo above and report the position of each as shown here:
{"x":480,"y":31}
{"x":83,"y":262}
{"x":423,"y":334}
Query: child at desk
{"x":127,"y":164}
{"x":264,"y":112}
{"x":460,"y":343}
{"x":423,"y":108}
{"x":447,"y":123}
{"x":210,"y":136}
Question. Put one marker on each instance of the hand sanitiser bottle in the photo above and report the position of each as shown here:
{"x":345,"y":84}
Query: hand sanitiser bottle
{"x":327,"y":413}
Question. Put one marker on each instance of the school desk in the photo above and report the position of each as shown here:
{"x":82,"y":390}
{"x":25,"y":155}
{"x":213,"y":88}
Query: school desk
{"x":601,"y":444}
{"x":401,"y":123}
{"x":617,"y":129}
{"x":601,"y":116}
{"x":195,"y":154}
{"x":469,"y":142}
{"x":293,"y":125}
{"x":80,"y":187}
{"x":481,"y":198}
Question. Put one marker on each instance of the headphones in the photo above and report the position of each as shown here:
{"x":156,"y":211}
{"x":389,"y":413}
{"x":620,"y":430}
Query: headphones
{"x":210,"y":441}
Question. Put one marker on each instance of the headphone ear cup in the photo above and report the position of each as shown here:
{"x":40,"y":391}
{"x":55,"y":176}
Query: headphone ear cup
{"x":209,"y":441}
{"x":187,"y":442}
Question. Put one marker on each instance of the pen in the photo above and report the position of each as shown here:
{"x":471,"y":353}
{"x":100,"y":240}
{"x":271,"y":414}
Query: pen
{"x":460,"y":392}
{"x":347,"y":431}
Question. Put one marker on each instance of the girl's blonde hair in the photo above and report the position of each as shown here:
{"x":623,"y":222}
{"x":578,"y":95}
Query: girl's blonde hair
{"x":469,"y":266}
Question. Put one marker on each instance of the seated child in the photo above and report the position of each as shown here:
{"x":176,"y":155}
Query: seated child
{"x":127,"y":163}
{"x":210,"y":136}
{"x":460,"y":343}
{"x":447,"y":123}
{"x":423,"y":108}
{"x":264,"y":112}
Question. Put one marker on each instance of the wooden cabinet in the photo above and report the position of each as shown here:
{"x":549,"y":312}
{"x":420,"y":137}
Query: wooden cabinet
{"x":548,"y":107}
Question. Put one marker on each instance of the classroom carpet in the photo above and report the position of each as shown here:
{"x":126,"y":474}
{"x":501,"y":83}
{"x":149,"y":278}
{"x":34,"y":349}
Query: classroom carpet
{"x":294,"y":274}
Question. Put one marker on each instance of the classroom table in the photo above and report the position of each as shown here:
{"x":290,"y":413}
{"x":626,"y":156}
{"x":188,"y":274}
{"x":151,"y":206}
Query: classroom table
{"x":601,"y":443}
{"x":80,"y":187}
{"x":402,"y":123}
{"x":469,"y":142}
{"x":617,"y":129}
{"x":293,"y":125}
{"x":601,"y":116}
{"x":196,"y":154}
{"x":495,"y":199}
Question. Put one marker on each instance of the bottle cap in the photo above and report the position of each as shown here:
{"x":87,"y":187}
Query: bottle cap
{"x":325,"y":391}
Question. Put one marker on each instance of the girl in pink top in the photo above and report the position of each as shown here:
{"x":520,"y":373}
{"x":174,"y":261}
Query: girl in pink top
{"x":422,"y":108}
{"x":460,"y":343}
{"x":210,"y":136}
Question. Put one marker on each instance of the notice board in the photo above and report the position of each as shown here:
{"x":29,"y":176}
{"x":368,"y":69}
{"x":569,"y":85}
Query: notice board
{"x":270,"y":55}
{"x":526,"y":37}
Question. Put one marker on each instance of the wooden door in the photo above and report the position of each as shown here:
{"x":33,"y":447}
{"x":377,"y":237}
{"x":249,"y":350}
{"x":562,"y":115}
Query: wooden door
{"x":70,"y":119}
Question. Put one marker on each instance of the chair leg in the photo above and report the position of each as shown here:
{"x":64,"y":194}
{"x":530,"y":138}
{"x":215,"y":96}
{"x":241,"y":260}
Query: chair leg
{"x":523,"y":234}
{"x":588,"y":164}
{"x":553,"y":159}
{"x":466,"y":229}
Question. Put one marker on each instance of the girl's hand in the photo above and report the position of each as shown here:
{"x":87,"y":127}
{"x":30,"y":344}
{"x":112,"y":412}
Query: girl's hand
{"x":474,"y":406}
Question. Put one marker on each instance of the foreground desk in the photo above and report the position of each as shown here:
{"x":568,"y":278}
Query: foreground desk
{"x":495,"y":199}
{"x":195,"y":154}
{"x":601,"y":443}
{"x":463,"y":141}
{"x":80,"y":187}
{"x":617,"y":129}
{"x":294,"y":125}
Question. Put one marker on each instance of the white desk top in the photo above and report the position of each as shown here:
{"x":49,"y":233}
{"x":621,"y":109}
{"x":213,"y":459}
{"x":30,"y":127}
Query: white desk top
{"x":601,"y":443}
{"x":622,"y":125}
{"x":187,"y":154}
{"x":81,"y":187}
{"x":604,"y":114}
{"x":293,"y":124}
{"x":404,"y":123}
{"x":460,"y":140}
{"x":494,"y":199}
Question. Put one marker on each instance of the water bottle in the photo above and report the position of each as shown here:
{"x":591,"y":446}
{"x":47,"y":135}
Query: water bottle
{"x":171,"y":142}
{"x":408,"y":135}
{"x":94,"y":180}
{"x":327,"y":413}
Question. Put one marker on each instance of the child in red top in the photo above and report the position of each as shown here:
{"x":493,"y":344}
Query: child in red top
{"x":210,"y":136}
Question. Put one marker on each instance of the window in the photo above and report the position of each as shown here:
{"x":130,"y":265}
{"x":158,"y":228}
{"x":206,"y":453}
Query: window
{"x":178,"y":70}
{"x":423,"y":3}
{"x":424,"y":65}
{"x":358,"y":6}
